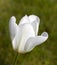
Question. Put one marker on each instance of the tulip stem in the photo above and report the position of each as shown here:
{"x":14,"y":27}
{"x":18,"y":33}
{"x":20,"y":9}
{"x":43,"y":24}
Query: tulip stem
{"x":15,"y":59}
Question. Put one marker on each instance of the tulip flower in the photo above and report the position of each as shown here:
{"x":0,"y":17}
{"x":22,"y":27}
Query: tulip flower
{"x":24,"y":35}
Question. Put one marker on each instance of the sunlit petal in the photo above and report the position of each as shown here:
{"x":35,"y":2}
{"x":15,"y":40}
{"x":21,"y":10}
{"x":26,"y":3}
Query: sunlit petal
{"x":27,"y":32}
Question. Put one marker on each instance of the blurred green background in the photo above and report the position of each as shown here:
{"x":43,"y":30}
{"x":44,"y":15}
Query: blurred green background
{"x":44,"y":54}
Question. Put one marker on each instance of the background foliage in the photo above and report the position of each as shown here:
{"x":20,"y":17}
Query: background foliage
{"x":44,"y":54}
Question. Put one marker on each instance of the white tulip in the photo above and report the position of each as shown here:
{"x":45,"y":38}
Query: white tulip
{"x":24,"y":35}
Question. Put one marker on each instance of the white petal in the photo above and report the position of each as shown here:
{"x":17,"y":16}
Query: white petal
{"x":24,"y":20}
{"x":34,"y":41}
{"x":12,"y":27}
{"x":34,"y":20}
{"x":16,"y":40}
{"x":27,"y":32}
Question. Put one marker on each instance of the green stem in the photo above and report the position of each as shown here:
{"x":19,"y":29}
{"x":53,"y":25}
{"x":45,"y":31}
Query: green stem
{"x":15,"y":59}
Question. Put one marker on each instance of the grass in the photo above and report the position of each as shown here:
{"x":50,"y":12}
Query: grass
{"x":44,"y":54}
